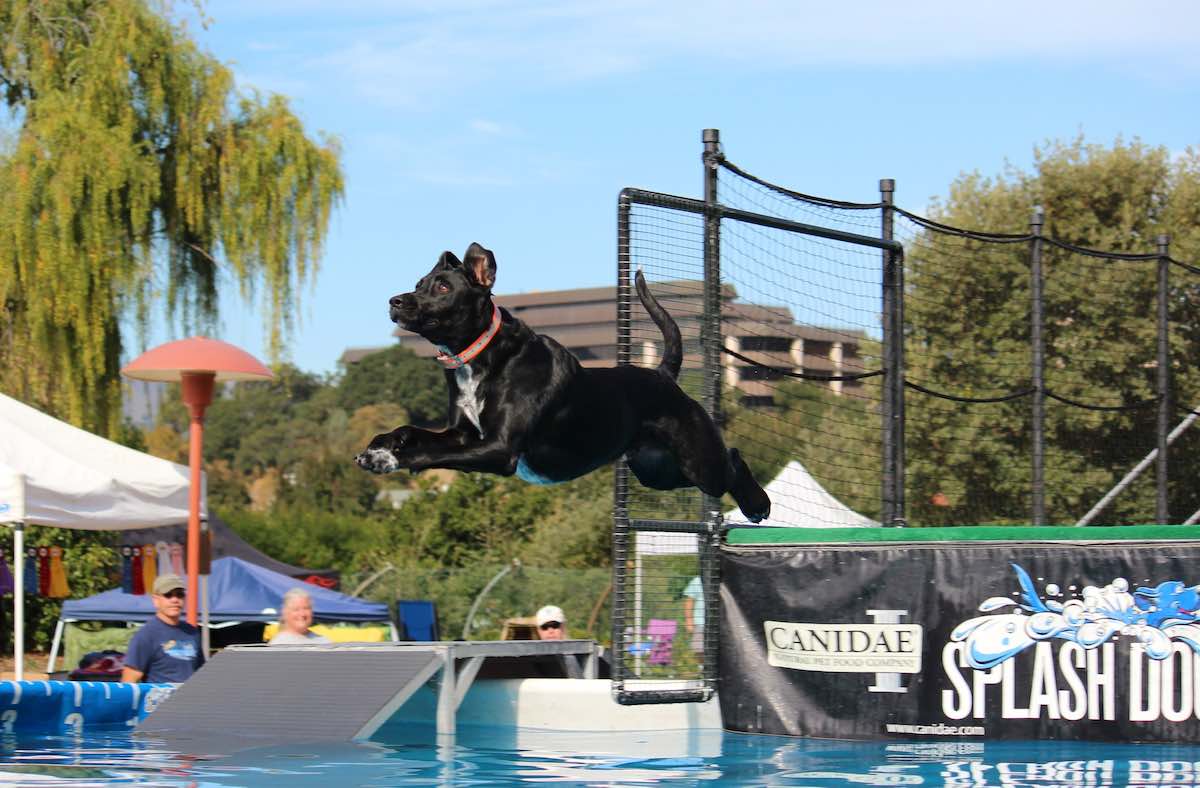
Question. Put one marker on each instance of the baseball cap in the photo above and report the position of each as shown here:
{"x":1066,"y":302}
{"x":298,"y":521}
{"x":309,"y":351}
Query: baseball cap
{"x":165,"y":583}
{"x":550,"y":613}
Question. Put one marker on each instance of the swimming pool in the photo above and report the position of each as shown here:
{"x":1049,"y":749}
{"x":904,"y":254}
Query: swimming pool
{"x":411,"y":755}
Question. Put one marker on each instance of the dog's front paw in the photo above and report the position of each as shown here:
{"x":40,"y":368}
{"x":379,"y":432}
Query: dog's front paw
{"x":377,"y":461}
{"x":380,"y":455}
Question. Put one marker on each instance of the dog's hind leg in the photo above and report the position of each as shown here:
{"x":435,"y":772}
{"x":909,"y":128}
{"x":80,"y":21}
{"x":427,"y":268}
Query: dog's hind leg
{"x":655,"y":467}
{"x":751,"y":498}
{"x":692,"y":454}
{"x":732,"y":476}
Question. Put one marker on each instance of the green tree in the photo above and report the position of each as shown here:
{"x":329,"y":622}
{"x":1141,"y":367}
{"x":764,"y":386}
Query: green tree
{"x":967,"y":312}
{"x":478,"y":515}
{"x":313,"y":538}
{"x":292,"y":427}
{"x":576,"y":530}
{"x":135,"y":175}
{"x":835,"y":437}
{"x":396,"y":375}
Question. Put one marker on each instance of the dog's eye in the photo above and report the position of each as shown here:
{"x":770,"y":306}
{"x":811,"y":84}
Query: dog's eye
{"x":442,"y":287}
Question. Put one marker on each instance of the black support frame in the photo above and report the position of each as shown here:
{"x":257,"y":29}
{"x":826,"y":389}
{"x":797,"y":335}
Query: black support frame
{"x":709,"y":521}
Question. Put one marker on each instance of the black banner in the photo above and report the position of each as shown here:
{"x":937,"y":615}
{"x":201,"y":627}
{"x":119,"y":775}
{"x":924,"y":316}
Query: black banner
{"x":967,"y":641}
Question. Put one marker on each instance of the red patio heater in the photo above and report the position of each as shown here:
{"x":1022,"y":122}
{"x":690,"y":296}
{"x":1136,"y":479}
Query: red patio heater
{"x":198,"y":364}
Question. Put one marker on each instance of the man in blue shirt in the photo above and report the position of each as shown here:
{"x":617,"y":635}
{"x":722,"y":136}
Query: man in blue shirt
{"x":165,"y":649}
{"x":693,"y":612}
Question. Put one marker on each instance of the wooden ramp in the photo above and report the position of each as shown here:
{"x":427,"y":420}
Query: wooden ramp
{"x":337,"y":692}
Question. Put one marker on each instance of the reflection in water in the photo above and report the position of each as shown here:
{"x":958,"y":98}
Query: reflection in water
{"x":415,"y":756}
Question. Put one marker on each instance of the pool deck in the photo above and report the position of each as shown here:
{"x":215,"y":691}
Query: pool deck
{"x":359,"y":688}
{"x":67,"y":706}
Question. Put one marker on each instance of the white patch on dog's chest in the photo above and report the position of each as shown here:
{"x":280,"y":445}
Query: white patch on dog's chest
{"x":469,"y":401}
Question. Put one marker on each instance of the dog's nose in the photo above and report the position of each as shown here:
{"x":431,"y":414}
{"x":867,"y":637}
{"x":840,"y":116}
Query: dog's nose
{"x":395,"y":301}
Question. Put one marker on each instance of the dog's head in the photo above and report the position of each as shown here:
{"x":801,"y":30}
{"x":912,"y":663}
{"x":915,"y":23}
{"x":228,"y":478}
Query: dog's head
{"x":452,"y":304}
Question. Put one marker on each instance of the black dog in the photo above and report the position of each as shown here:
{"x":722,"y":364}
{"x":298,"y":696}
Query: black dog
{"x":521,"y":403}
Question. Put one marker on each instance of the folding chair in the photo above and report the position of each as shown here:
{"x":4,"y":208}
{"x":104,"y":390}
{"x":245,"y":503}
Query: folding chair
{"x":661,"y":634}
{"x":416,"y":619}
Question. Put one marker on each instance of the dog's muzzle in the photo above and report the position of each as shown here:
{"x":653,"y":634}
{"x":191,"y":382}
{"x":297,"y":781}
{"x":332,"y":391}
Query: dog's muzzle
{"x":403,"y":310}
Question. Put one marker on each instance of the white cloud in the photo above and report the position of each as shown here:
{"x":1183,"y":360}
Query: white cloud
{"x":489,"y":128}
{"x":266,"y":46}
{"x":269,"y":81}
{"x":466,"y":160}
{"x":411,"y":54}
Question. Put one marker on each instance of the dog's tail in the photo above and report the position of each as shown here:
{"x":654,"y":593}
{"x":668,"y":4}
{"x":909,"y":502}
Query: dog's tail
{"x":672,"y":343}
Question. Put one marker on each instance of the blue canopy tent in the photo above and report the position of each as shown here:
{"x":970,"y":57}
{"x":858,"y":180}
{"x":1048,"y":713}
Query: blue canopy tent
{"x":238,"y":591}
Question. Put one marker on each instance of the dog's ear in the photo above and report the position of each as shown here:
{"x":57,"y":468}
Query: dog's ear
{"x":481,"y":265}
{"x":449,"y":260}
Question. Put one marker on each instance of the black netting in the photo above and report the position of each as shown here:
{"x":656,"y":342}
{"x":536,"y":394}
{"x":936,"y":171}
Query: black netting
{"x":873,"y":365}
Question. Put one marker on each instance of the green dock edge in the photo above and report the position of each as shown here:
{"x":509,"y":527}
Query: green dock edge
{"x":963,"y":533}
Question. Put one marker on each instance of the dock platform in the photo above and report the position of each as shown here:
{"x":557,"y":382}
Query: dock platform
{"x":355,"y":687}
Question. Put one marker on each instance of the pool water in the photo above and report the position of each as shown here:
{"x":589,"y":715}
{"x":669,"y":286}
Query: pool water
{"x":494,"y":756}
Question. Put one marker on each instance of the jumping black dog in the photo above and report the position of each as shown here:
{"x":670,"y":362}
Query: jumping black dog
{"x":521,"y":403}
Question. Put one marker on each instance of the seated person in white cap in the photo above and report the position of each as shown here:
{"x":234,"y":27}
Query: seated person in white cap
{"x":552,"y":624}
{"x":295,"y":618}
{"x":165,"y":648}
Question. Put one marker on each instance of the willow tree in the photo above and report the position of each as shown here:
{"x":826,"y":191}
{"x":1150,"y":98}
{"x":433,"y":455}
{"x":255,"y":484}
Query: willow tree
{"x":135,"y":177}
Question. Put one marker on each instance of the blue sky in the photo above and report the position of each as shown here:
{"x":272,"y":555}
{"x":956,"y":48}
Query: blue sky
{"x":516,"y":123}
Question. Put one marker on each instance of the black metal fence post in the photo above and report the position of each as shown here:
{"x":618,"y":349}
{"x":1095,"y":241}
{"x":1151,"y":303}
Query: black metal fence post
{"x":1038,"y":416}
{"x":710,"y":336}
{"x":711,"y":340}
{"x":889,"y":508}
{"x":621,"y":534}
{"x":1161,"y":509}
{"x":900,"y":518}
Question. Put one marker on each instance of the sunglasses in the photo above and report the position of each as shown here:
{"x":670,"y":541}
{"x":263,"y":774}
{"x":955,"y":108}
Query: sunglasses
{"x":551,"y":625}
{"x":177,"y":593}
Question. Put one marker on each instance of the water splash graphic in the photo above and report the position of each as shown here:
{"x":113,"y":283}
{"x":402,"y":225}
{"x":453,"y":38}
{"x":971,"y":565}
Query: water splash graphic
{"x":1155,"y":617}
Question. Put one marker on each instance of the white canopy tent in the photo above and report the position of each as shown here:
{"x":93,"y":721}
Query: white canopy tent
{"x":797,"y":501}
{"x":52,"y":473}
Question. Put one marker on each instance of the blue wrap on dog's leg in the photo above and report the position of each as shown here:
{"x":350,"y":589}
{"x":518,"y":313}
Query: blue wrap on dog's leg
{"x":525,"y":473}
